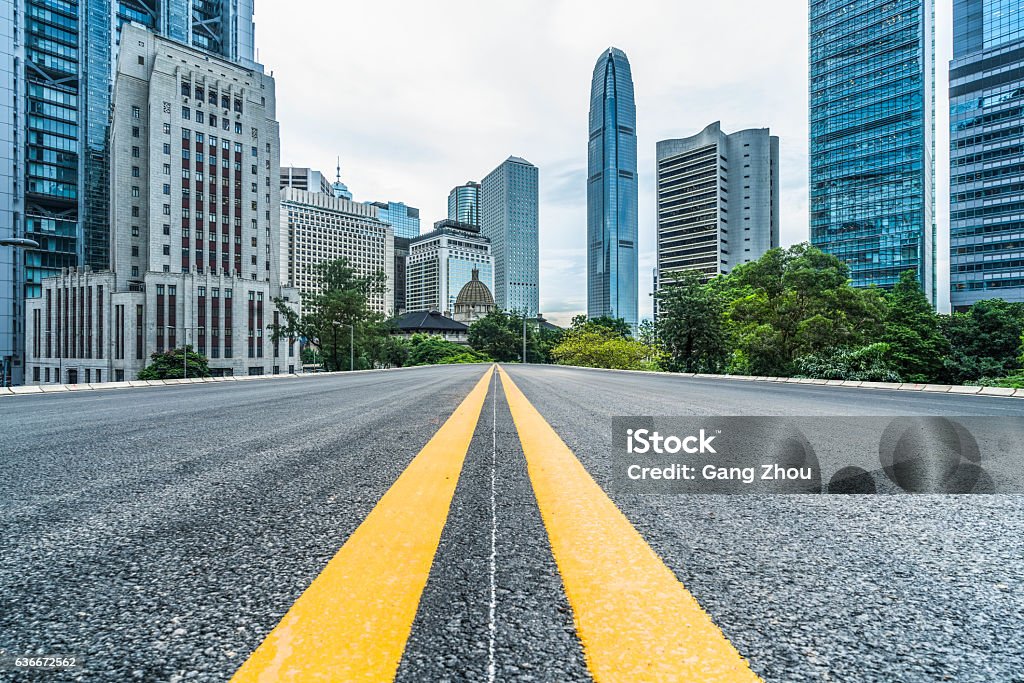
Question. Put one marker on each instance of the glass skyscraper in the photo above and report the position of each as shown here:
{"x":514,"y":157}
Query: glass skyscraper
{"x":872,"y":137}
{"x":509,"y":217}
{"x":986,"y":140}
{"x":65,"y":54}
{"x":464,"y":203}
{"x":405,"y":220}
{"x":612,"y":191}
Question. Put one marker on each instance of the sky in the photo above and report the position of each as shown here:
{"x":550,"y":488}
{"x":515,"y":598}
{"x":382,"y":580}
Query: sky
{"x":416,"y":98}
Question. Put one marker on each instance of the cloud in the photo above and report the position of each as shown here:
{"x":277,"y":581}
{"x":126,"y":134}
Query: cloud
{"x":419,"y":97}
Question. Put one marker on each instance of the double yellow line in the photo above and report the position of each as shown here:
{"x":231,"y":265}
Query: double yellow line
{"x":635,"y":619}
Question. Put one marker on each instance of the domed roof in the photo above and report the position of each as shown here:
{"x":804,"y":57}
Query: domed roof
{"x":475,"y":293}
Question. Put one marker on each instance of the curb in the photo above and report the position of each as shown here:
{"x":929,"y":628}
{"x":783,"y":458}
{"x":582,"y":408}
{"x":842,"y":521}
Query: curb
{"x":959,"y":389}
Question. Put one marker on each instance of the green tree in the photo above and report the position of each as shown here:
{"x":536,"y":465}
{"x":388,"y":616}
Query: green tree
{"x":795,"y":302}
{"x":427,"y":349}
{"x":343,"y":300}
{"x":591,"y":343}
{"x":171,"y":364}
{"x":692,"y":325}
{"x":917,"y":347}
{"x":499,"y":335}
{"x":984,"y":341}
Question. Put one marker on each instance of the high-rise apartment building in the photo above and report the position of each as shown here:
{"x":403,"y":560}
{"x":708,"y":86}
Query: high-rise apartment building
{"x":718,"y":200}
{"x":464,"y":203}
{"x":509,"y":217}
{"x":986,"y":142}
{"x":320,"y":228}
{"x":194,"y":226}
{"x":306,"y":179}
{"x":872,"y":137}
{"x":404,"y":219}
{"x":442,"y":261}
{"x":60,"y":85}
{"x":612,"y":220}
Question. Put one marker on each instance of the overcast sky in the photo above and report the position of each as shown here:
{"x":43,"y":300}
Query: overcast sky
{"x":417,"y":97}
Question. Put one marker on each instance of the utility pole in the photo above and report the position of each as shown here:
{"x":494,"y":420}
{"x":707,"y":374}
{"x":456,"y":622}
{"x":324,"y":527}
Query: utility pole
{"x":524,"y":338}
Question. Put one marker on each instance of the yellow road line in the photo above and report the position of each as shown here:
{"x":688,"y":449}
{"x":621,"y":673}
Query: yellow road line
{"x":635,"y":619}
{"x":352,"y":623}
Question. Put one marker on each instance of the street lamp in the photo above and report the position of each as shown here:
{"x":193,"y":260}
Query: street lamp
{"x":184,"y":350}
{"x":22,"y":242}
{"x":351,"y":343}
{"x":60,"y":356}
{"x":17,"y":243}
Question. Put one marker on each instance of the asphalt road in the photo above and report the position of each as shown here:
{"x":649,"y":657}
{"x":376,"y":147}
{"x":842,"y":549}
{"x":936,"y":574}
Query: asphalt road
{"x":160,"y":534}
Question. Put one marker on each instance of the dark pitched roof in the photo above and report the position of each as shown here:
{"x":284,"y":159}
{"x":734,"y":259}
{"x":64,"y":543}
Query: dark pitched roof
{"x":427,"y":321}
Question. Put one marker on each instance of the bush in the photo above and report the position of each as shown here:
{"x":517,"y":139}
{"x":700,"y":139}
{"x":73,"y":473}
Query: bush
{"x":864,"y":364}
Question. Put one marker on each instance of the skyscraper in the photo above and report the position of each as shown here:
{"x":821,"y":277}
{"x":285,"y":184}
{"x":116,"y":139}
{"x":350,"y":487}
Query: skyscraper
{"x":509,"y":217}
{"x":61,"y":85}
{"x":986,"y":105}
{"x":194,"y":224}
{"x":403,"y":218}
{"x":872,"y":137}
{"x":464,"y":203}
{"x":718,"y":200}
{"x":612,"y":191}
{"x":442,"y":261}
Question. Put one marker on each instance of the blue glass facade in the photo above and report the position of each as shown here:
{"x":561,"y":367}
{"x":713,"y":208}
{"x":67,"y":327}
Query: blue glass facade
{"x":612,"y":191}
{"x":404,"y":219}
{"x":872,"y":127}
{"x":464,"y":203}
{"x":986,"y":119}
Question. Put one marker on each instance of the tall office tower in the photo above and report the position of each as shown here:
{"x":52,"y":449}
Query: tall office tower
{"x":464,"y":203}
{"x":872,"y":137}
{"x":986,"y":104}
{"x":305,"y":179}
{"x":320,"y":228}
{"x":60,"y":85}
{"x":509,"y":217}
{"x":194,"y":221}
{"x":11,"y":208}
{"x":718,"y":200}
{"x":442,"y":261}
{"x":612,"y":192}
{"x":404,"y":219}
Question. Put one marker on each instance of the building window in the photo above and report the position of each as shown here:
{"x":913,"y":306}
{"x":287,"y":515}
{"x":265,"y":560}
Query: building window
{"x":142,"y":60}
{"x":167,"y":129}
{"x":135,"y":190}
{"x":135,"y":171}
{"x":135,"y":212}
{"x":135,"y":152}
{"x":186,"y":113}
{"x":135,"y":231}
{"x":136,"y":112}
{"x":135,"y":131}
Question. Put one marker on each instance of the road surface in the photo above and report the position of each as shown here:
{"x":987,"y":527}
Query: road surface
{"x":387,"y":524}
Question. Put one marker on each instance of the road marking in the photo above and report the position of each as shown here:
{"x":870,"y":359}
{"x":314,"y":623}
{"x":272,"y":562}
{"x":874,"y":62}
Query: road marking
{"x":492,"y":626}
{"x":351,"y":624}
{"x":635,"y":619}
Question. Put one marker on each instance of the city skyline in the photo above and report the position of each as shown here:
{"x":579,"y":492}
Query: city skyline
{"x":534,"y":106}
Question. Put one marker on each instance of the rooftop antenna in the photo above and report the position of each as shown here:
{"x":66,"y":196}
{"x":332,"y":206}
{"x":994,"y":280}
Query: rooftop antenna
{"x":337,"y":176}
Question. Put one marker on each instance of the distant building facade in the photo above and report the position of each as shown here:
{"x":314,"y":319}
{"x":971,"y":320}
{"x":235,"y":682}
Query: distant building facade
{"x":405,"y":220}
{"x":194,"y":227}
{"x":509,"y":217}
{"x":872,"y":138}
{"x":306,"y":179}
{"x":718,"y":200}
{"x":320,"y":228}
{"x":401,"y":267}
{"x":986,"y":103}
{"x":442,"y":261}
{"x":56,"y":67}
{"x":464,"y":203}
{"x":612,"y":212}
{"x":432,"y":323}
